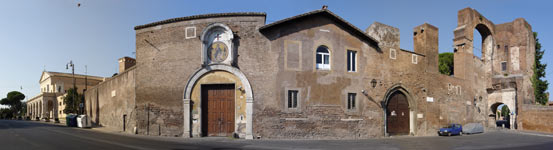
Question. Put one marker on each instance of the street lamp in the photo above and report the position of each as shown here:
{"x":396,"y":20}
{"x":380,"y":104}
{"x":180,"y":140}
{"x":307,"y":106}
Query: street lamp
{"x":70,"y":64}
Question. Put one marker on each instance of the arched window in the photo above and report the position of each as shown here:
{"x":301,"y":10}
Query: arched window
{"x":323,"y":58}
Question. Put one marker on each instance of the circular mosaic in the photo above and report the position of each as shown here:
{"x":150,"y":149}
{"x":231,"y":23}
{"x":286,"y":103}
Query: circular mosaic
{"x":218,"y":52}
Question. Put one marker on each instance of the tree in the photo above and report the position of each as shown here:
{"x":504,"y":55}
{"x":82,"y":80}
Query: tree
{"x":72,"y":100}
{"x":538,"y":81}
{"x":13,"y":100}
{"x":446,"y":63}
{"x":505,"y":111}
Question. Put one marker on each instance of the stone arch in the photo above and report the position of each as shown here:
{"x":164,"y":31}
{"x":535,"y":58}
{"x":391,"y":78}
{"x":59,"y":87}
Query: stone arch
{"x":399,"y":88}
{"x":464,"y":49}
{"x":197,"y":75}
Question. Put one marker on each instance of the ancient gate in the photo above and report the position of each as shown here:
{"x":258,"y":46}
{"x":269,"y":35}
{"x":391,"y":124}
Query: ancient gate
{"x":218,"y":100}
{"x":397,"y":115}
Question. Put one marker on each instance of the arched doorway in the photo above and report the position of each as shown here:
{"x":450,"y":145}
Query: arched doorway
{"x":50,"y":110}
{"x":228,"y":84}
{"x":502,"y":115}
{"x":397,"y":114}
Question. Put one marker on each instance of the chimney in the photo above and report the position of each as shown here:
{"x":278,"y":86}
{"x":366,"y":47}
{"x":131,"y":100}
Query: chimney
{"x":126,"y":63}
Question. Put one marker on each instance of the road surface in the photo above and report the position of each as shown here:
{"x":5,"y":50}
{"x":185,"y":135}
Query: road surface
{"x":23,"y":135}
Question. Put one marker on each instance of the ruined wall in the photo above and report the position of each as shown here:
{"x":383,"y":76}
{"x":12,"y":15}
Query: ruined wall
{"x":536,"y":118}
{"x":168,"y":55}
{"x":111,"y":101}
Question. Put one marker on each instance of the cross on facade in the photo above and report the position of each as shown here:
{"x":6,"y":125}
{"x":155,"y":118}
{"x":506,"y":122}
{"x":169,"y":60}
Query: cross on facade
{"x":218,"y":36}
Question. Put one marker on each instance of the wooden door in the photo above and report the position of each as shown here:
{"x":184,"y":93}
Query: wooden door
{"x":397,"y":115}
{"x":218,"y":109}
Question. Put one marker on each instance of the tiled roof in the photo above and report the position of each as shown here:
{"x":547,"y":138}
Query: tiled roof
{"x":215,"y":15}
{"x":328,"y":13}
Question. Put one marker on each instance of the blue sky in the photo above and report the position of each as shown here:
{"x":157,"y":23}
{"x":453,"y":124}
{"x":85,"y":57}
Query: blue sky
{"x":37,"y":34}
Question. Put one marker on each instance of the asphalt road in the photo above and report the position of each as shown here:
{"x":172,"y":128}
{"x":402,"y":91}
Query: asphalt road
{"x":22,"y":135}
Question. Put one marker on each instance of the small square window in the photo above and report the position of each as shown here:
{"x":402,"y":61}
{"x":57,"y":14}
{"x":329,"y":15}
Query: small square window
{"x":352,"y":101}
{"x":292,"y":98}
{"x":392,"y":53}
{"x":352,"y":60}
{"x":190,"y":32}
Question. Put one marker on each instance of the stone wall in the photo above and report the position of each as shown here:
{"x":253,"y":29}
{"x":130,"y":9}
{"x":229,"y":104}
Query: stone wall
{"x":169,"y":54}
{"x":111,"y":103}
{"x":536,"y":118}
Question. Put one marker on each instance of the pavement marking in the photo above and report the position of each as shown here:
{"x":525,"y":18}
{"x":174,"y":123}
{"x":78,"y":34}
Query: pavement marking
{"x":536,"y":134}
{"x":103,"y":141}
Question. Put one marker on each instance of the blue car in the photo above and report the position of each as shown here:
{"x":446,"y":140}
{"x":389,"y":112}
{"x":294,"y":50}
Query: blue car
{"x":452,"y":129}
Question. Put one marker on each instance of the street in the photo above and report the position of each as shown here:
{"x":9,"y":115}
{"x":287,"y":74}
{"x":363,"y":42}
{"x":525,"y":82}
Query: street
{"x":17,"y":134}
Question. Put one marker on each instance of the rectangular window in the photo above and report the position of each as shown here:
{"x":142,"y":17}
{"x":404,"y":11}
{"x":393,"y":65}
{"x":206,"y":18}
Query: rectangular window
{"x":190,"y":32}
{"x":392,"y":53}
{"x":351,"y":101}
{"x":292,"y":99}
{"x":351,"y":61}
{"x":507,"y":50}
{"x":504,"y":66}
{"x":414,"y":59}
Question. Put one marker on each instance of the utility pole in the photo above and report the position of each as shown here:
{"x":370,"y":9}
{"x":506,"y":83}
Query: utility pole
{"x":70,"y":64}
{"x":85,"y":88}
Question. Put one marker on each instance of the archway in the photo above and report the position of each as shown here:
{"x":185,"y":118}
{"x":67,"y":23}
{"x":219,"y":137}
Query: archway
{"x":245,"y":88}
{"x":50,"y":110}
{"x":502,"y":115}
{"x":483,"y":44}
{"x":399,"y":112}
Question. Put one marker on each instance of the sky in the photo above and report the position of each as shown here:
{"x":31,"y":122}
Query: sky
{"x":38,"y":35}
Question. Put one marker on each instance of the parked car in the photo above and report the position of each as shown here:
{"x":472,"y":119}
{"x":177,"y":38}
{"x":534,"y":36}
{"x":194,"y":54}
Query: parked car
{"x":451,"y":129}
{"x":473,"y":128}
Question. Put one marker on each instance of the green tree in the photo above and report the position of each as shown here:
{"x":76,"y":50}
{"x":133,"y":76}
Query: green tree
{"x":505,"y":111}
{"x":72,"y":100}
{"x":445,"y":62}
{"x":6,"y":113}
{"x":13,"y":100}
{"x":538,"y":81}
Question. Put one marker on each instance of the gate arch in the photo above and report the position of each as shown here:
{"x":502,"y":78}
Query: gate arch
{"x":390,"y":93}
{"x":192,"y":82}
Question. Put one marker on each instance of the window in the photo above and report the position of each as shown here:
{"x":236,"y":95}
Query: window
{"x":414,"y":58}
{"x":392,"y":53}
{"x":48,"y":88}
{"x":59,"y":88}
{"x":351,"y":101}
{"x":504,"y":66}
{"x":190,"y":32}
{"x":351,"y":61}
{"x":323,"y":58}
{"x":507,"y":50}
{"x":292,"y":98}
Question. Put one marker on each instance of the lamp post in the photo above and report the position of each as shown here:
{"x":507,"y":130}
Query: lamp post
{"x":70,"y":64}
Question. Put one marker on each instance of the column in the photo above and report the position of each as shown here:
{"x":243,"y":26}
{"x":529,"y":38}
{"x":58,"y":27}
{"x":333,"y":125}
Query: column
{"x":186,"y":120}
{"x":249,"y":118}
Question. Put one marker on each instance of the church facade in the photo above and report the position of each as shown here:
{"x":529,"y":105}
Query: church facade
{"x":311,"y":76}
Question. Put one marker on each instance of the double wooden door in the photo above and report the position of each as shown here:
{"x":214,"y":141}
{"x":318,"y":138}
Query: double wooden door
{"x":397,"y":115}
{"x":218,"y":109}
